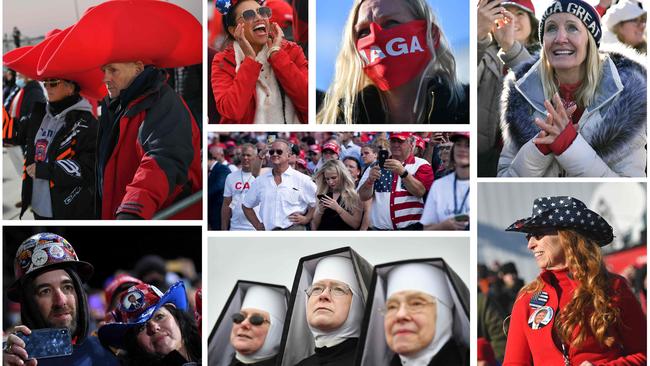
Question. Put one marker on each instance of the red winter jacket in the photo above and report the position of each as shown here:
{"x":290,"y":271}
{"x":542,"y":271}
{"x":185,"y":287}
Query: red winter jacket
{"x":526,"y":346}
{"x":156,"y":159}
{"x":234,"y":91}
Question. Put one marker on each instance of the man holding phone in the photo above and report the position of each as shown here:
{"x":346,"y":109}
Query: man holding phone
{"x":398,"y":186}
{"x":49,"y":287}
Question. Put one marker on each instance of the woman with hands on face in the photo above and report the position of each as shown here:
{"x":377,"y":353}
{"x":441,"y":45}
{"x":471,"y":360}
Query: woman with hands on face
{"x":259,"y":77}
{"x":576,"y":111}
{"x":339,"y":206}
{"x":507,"y":37}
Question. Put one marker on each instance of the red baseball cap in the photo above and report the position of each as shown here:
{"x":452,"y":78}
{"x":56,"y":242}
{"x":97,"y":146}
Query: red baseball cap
{"x":152,"y":31}
{"x":400,"y":135}
{"x":331,"y":146}
{"x":281,"y":12}
{"x":526,"y":5}
{"x":419,"y":142}
{"x":314,"y":148}
{"x":119,"y":281}
{"x":455,"y":136}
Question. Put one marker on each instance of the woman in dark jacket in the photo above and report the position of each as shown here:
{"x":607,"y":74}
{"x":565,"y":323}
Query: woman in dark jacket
{"x":154,"y":329}
{"x":59,"y":139}
{"x":395,"y":66}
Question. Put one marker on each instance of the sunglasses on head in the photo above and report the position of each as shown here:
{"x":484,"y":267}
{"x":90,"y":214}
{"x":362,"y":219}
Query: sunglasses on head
{"x":254,"y":319}
{"x":249,"y":15}
{"x":51,"y":83}
{"x":277,"y":152}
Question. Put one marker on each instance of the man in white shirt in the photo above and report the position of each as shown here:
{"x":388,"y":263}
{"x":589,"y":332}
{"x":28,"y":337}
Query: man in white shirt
{"x":286,"y":197}
{"x":237,"y":185}
{"x":348,"y":147}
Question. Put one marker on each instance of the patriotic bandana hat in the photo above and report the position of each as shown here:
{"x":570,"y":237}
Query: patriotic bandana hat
{"x":581,"y":10}
{"x":137,"y":305}
{"x":564,"y":212}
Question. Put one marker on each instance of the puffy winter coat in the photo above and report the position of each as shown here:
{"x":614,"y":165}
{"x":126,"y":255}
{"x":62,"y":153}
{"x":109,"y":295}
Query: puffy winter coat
{"x":611,"y":132}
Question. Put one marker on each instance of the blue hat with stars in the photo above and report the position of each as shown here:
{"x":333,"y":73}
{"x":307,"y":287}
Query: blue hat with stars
{"x":564,"y":212}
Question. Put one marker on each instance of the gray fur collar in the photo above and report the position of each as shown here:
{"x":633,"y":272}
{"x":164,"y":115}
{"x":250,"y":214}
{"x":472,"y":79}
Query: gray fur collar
{"x":621,"y":120}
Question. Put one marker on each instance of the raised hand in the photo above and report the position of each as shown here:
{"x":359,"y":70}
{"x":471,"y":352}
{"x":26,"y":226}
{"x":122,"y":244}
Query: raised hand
{"x":240,"y":37}
{"x":557,"y":118}
{"x":488,"y":13}
{"x":505,"y":31}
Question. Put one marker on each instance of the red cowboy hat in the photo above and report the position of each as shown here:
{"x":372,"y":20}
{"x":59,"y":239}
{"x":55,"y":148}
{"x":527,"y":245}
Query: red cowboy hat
{"x":25,"y":61}
{"x":152,"y":31}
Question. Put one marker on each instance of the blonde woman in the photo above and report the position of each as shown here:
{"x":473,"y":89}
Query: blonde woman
{"x":575,"y":312}
{"x":625,"y":24}
{"x":339,"y":206}
{"x":574,"y":112}
{"x":395,"y":66}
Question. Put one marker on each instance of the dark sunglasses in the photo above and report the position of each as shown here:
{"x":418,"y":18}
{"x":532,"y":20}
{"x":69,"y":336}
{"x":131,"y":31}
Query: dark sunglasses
{"x":249,"y":15}
{"x":51,"y":83}
{"x":539,"y":234}
{"x":254,"y":319}
{"x":277,"y":152}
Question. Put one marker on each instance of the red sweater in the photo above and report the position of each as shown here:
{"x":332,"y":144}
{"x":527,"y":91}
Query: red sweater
{"x":526,"y":346}
{"x":234,"y":91}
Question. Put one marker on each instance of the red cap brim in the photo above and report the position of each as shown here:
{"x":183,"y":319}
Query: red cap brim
{"x":152,"y":31}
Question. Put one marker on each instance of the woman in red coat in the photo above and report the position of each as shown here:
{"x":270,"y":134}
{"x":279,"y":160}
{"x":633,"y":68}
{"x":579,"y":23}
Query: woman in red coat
{"x":259,"y":77}
{"x":575,"y":312}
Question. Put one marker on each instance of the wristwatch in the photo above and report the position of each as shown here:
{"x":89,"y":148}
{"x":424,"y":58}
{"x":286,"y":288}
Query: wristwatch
{"x":405,"y":174}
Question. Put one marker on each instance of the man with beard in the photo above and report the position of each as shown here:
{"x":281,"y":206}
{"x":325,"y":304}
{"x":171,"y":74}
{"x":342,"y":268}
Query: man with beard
{"x":49,"y":288}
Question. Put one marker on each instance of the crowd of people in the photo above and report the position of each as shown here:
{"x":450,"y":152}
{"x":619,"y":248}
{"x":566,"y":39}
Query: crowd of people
{"x":343,"y":311}
{"x":339,"y":181}
{"x":575,"y":311}
{"x":570,"y":88}
{"x":146,"y":315}
{"x":140,"y":152}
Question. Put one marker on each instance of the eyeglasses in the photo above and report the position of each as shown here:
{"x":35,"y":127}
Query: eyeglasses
{"x":412,"y":306}
{"x":255,"y":319}
{"x":335,"y":290}
{"x":249,"y":15}
{"x":277,"y":152}
{"x":51,"y":83}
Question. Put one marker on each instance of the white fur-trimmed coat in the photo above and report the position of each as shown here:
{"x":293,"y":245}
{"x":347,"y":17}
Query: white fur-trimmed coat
{"x":611,"y":137}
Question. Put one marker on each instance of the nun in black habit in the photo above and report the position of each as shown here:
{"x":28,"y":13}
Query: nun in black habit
{"x":417,"y":315}
{"x":326,"y":309}
{"x":249,"y":328}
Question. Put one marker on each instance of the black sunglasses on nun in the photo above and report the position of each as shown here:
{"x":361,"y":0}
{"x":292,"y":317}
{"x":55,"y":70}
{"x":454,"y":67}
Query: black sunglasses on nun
{"x":249,"y":15}
{"x":255,"y":319}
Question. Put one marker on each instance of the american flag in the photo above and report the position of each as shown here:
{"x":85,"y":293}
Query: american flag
{"x":385,"y":181}
{"x":538,"y":299}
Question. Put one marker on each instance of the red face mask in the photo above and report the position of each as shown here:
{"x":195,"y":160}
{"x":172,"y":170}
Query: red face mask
{"x":395,"y":56}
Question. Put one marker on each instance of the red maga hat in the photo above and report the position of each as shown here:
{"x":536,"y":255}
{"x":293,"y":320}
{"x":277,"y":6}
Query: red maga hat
{"x":333,"y":146}
{"x":419,"y":142}
{"x":281,"y":12}
{"x":400,"y":135}
{"x":526,"y":5}
{"x":152,"y":31}
{"x":25,"y":60}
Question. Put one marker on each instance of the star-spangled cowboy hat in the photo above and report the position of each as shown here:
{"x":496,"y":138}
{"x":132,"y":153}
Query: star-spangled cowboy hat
{"x":564,"y":212}
{"x":152,"y":31}
{"x":25,"y":61}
